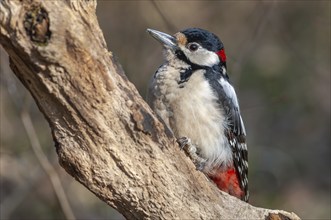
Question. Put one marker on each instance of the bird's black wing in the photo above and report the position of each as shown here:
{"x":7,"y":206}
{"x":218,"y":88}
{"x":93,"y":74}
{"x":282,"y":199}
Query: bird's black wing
{"x":235,"y":129}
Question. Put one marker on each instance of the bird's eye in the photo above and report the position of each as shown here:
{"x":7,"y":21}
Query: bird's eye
{"x":193,"y":47}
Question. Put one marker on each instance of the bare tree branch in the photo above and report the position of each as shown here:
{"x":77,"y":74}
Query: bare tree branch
{"x":105,"y":135}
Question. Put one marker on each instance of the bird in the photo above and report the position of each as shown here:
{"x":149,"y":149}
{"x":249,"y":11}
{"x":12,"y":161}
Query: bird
{"x":191,"y":92}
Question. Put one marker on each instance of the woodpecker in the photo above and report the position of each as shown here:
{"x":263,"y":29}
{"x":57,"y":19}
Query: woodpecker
{"x":192,"y":94}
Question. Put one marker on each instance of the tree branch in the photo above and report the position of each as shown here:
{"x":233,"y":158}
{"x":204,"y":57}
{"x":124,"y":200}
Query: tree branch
{"x":105,"y":135}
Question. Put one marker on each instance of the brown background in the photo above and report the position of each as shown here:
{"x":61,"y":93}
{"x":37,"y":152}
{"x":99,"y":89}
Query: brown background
{"x":279,"y":61}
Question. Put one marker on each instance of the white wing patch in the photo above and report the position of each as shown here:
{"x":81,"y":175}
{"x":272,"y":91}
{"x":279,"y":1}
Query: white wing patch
{"x":231,"y":94}
{"x":229,"y":90}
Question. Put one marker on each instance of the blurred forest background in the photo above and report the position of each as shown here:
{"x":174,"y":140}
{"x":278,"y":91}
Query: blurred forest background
{"x":279,"y":61}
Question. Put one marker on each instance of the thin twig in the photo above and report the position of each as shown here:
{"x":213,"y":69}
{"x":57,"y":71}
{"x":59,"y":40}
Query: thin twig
{"x":45,"y":164}
{"x":10,"y":203}
{"x":250,"y":43}
{"x":168,"y":24}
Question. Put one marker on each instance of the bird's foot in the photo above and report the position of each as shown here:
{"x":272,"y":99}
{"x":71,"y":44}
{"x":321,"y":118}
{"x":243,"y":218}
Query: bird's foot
{"x":191,"y":151}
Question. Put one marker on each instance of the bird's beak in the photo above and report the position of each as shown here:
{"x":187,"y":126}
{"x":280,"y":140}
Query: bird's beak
{"x":166,"y":40}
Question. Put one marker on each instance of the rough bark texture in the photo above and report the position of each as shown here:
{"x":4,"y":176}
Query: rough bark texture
{"x":105,"y":135}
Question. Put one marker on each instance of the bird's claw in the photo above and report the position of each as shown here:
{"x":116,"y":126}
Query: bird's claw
{"x":191,"y":151}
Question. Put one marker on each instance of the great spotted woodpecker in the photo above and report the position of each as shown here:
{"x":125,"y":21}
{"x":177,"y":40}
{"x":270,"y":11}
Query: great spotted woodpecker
{"x":191,"y":92}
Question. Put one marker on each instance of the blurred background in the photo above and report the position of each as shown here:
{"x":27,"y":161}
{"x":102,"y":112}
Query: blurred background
{"x":279,"y":61}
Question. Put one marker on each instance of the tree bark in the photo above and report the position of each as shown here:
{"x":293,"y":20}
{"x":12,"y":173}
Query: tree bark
{"x":105,"y":135}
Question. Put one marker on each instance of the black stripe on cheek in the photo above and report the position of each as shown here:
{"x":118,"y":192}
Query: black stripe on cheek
{"x":180,"y":55}
{"x":187,"y":73}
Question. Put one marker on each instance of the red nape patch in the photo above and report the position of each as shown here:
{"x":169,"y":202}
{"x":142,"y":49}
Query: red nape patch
{"x":227,"y":181}
{"x":221,"y":55}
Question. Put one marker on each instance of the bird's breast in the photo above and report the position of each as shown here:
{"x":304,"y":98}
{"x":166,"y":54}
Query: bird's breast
{"x":193,"y":112}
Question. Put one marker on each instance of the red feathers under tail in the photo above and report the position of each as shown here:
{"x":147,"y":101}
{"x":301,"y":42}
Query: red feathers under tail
{"x":227,"y":181}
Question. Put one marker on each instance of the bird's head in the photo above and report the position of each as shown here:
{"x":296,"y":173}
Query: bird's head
{"x":193,"y":46}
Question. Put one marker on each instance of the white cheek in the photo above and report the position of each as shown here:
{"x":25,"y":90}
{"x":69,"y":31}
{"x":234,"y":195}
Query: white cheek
{"x":202,"y":57}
